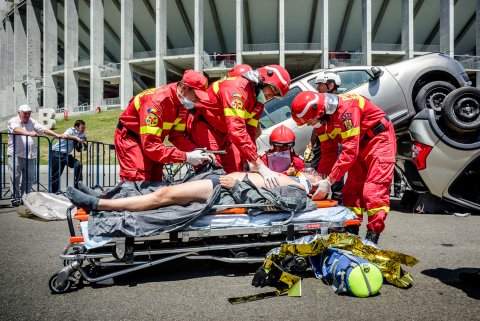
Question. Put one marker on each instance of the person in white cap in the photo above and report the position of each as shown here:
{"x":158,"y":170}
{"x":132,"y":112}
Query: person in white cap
{"x":22,"y":151}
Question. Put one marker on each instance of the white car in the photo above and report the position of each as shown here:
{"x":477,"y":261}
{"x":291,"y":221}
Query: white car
{"x":401,"y":90}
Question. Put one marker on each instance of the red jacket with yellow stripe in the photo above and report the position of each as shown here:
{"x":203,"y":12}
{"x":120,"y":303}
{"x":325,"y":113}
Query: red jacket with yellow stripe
{"x":155,"y":114}
{"x":233,"y":110}
{"x":347,"y":125}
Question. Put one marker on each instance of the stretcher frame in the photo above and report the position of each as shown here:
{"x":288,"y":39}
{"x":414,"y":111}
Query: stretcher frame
{"x":128,"y":254}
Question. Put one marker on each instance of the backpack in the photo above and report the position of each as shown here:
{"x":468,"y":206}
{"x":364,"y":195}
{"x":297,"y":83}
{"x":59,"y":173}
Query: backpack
{"x":347,"y":273}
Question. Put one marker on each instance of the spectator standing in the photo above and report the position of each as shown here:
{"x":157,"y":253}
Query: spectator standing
{"x":22,"y":151}
{"x":61,"y":154}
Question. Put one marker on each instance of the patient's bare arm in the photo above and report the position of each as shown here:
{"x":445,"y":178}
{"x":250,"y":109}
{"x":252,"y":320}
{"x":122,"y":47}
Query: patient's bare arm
{"x":256,"y":179}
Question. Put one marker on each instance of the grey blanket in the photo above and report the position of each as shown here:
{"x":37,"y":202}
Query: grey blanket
{"x":174,"y":218}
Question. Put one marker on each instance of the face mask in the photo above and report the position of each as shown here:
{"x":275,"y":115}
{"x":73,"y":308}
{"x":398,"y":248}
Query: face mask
{"x":187,"y":103}
{"x":261,"y":97}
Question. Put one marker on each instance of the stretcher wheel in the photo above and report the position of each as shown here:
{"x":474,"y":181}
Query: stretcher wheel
{"x":57,"y":287}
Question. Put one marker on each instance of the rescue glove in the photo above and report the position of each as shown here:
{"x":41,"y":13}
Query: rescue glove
{"x":264,"y":276}
{"x":324,"y":187}
{"x":198,"y":156}
{"x":270,"y":177}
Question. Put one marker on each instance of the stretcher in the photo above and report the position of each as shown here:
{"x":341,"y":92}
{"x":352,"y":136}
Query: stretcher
{"x":226,"y":234}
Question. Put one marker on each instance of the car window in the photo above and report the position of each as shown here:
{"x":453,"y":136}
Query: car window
{"x":351,"y":79}
{"x":278,"y":110}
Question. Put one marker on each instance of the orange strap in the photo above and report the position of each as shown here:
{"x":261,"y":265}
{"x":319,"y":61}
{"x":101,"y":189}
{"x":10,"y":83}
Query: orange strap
{"x":326,"y":203}
{"x":239,"y":210}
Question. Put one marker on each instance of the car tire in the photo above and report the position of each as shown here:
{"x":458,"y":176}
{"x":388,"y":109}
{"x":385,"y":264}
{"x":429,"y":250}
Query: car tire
{"x":432,"y":95}
{"x":461,"y":109}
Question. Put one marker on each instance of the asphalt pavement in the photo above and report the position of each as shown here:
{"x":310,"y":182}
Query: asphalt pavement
{"x":198,"y":290}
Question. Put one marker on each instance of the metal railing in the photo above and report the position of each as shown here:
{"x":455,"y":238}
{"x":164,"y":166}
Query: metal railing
{"x":387,"y":47}
{"x":111,"y":101}
{"x":50,"y":169}
{"x":181,"y":51}
{"x":426,"y":48}
{"x":303,"y":46}
{"x":469,"y":62}
{"x":81,"y":63}
{"x":97,"y":160}
{"x":261,"y":47}
{"x":334,"y":62}
{"x":110,"y":70}
{"x":82,"y":108}
{"x":143,"y":54}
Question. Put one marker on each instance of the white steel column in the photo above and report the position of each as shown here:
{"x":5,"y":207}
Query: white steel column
{"x":20,"y":57}
{"x":198,"y":43}
{"x":11,"y":108}
{"x":239,"y":31}
{"x":161,"y":42}
{"x":3,"y":63}
{"x":367,"y":32}
{"x":324,"y":34}
{"x":33,"y":55}
{"x":71,"y":55}
{"x":126,"y":73}
{"x":446,"y":27}
{"x":96,"y":53}
{"x":407,"y":28}
{"x":281,"y":32}
{"x":50,"y":43}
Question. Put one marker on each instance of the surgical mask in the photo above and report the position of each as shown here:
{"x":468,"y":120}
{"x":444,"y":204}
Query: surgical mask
{"x":261,"y":97}
{"x":187,"y":103}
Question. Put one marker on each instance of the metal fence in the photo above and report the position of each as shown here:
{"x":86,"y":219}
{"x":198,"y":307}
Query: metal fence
{"x":98,"y":161}
{"x":99,"y":169}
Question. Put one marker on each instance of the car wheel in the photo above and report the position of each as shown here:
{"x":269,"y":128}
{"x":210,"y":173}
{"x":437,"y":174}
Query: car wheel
{"x":461,"y":109}
{"x":432,"y":95}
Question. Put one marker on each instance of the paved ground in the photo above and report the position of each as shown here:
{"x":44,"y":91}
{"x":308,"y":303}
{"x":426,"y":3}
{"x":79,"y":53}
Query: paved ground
{"x":183,"y":290}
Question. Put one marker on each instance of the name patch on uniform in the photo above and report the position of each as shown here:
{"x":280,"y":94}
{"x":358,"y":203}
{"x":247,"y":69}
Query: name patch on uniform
{"x":151,"y":120}
{"x":348,"y":124}
{"x":345,"y":116}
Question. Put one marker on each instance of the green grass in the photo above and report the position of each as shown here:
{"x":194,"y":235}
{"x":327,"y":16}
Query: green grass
{"x":100,"y":127}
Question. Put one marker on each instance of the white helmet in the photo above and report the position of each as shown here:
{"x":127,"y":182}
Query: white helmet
{"x":323,"y":77}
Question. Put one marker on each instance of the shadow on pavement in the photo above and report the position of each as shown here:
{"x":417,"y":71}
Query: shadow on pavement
{"x":451,"y":278}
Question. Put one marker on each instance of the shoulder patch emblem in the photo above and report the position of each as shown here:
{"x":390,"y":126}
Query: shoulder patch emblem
{"x":237,"y":103}
{"x":348,"y":123}
{"x":345,"y":116}
{"x":151,"y":120}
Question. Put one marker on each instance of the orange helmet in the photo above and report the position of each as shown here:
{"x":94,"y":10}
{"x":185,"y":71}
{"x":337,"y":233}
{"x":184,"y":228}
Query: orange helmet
{"x":276,"y":76}
{"x":239,"y":70}
{"x":282,"y":135}
{"x":311,"y":104}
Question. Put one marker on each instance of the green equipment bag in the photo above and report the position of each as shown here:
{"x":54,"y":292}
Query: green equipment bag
{"x":347,"y":273}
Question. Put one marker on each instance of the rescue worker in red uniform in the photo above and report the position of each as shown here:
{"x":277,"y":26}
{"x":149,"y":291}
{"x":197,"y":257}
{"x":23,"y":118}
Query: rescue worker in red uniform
{"x":282,"y":158}
{"x":149,"y":118}
{"x":368,"y":140}
{"x":229,"y":119}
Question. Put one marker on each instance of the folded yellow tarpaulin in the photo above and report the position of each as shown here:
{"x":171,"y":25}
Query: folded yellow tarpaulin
{"x":389,"y":262}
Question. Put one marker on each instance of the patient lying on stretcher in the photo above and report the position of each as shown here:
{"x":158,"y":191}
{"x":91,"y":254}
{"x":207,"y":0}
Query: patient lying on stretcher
{"x":181,"y":194}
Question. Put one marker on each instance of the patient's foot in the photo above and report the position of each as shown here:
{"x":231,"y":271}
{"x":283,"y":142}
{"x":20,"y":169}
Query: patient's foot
{"x":87,"y":190}
{"x":80,"y":199}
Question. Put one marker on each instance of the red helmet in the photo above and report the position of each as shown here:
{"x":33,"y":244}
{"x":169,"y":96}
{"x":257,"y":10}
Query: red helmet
{"x":311,"y":104}
{"x":277,"y":76}
{"x":282,"y":135}
{"x":239,"y":70}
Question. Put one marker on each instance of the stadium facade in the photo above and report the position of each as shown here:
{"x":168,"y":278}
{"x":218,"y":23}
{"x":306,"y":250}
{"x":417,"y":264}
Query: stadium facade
{"x":88,"y":54}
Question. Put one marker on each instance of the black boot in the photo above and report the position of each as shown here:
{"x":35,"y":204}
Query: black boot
{"x":372,"y":236}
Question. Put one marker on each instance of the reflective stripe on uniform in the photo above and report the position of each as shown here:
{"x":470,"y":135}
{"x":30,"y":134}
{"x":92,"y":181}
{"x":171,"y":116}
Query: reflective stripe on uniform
{"x":151,"y":130}
{"x":136,"y":100}
{"x":337,"y":131}
{"x":356,"y":210}
{"x":232,"y":112}
{"x":374,"y":211}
